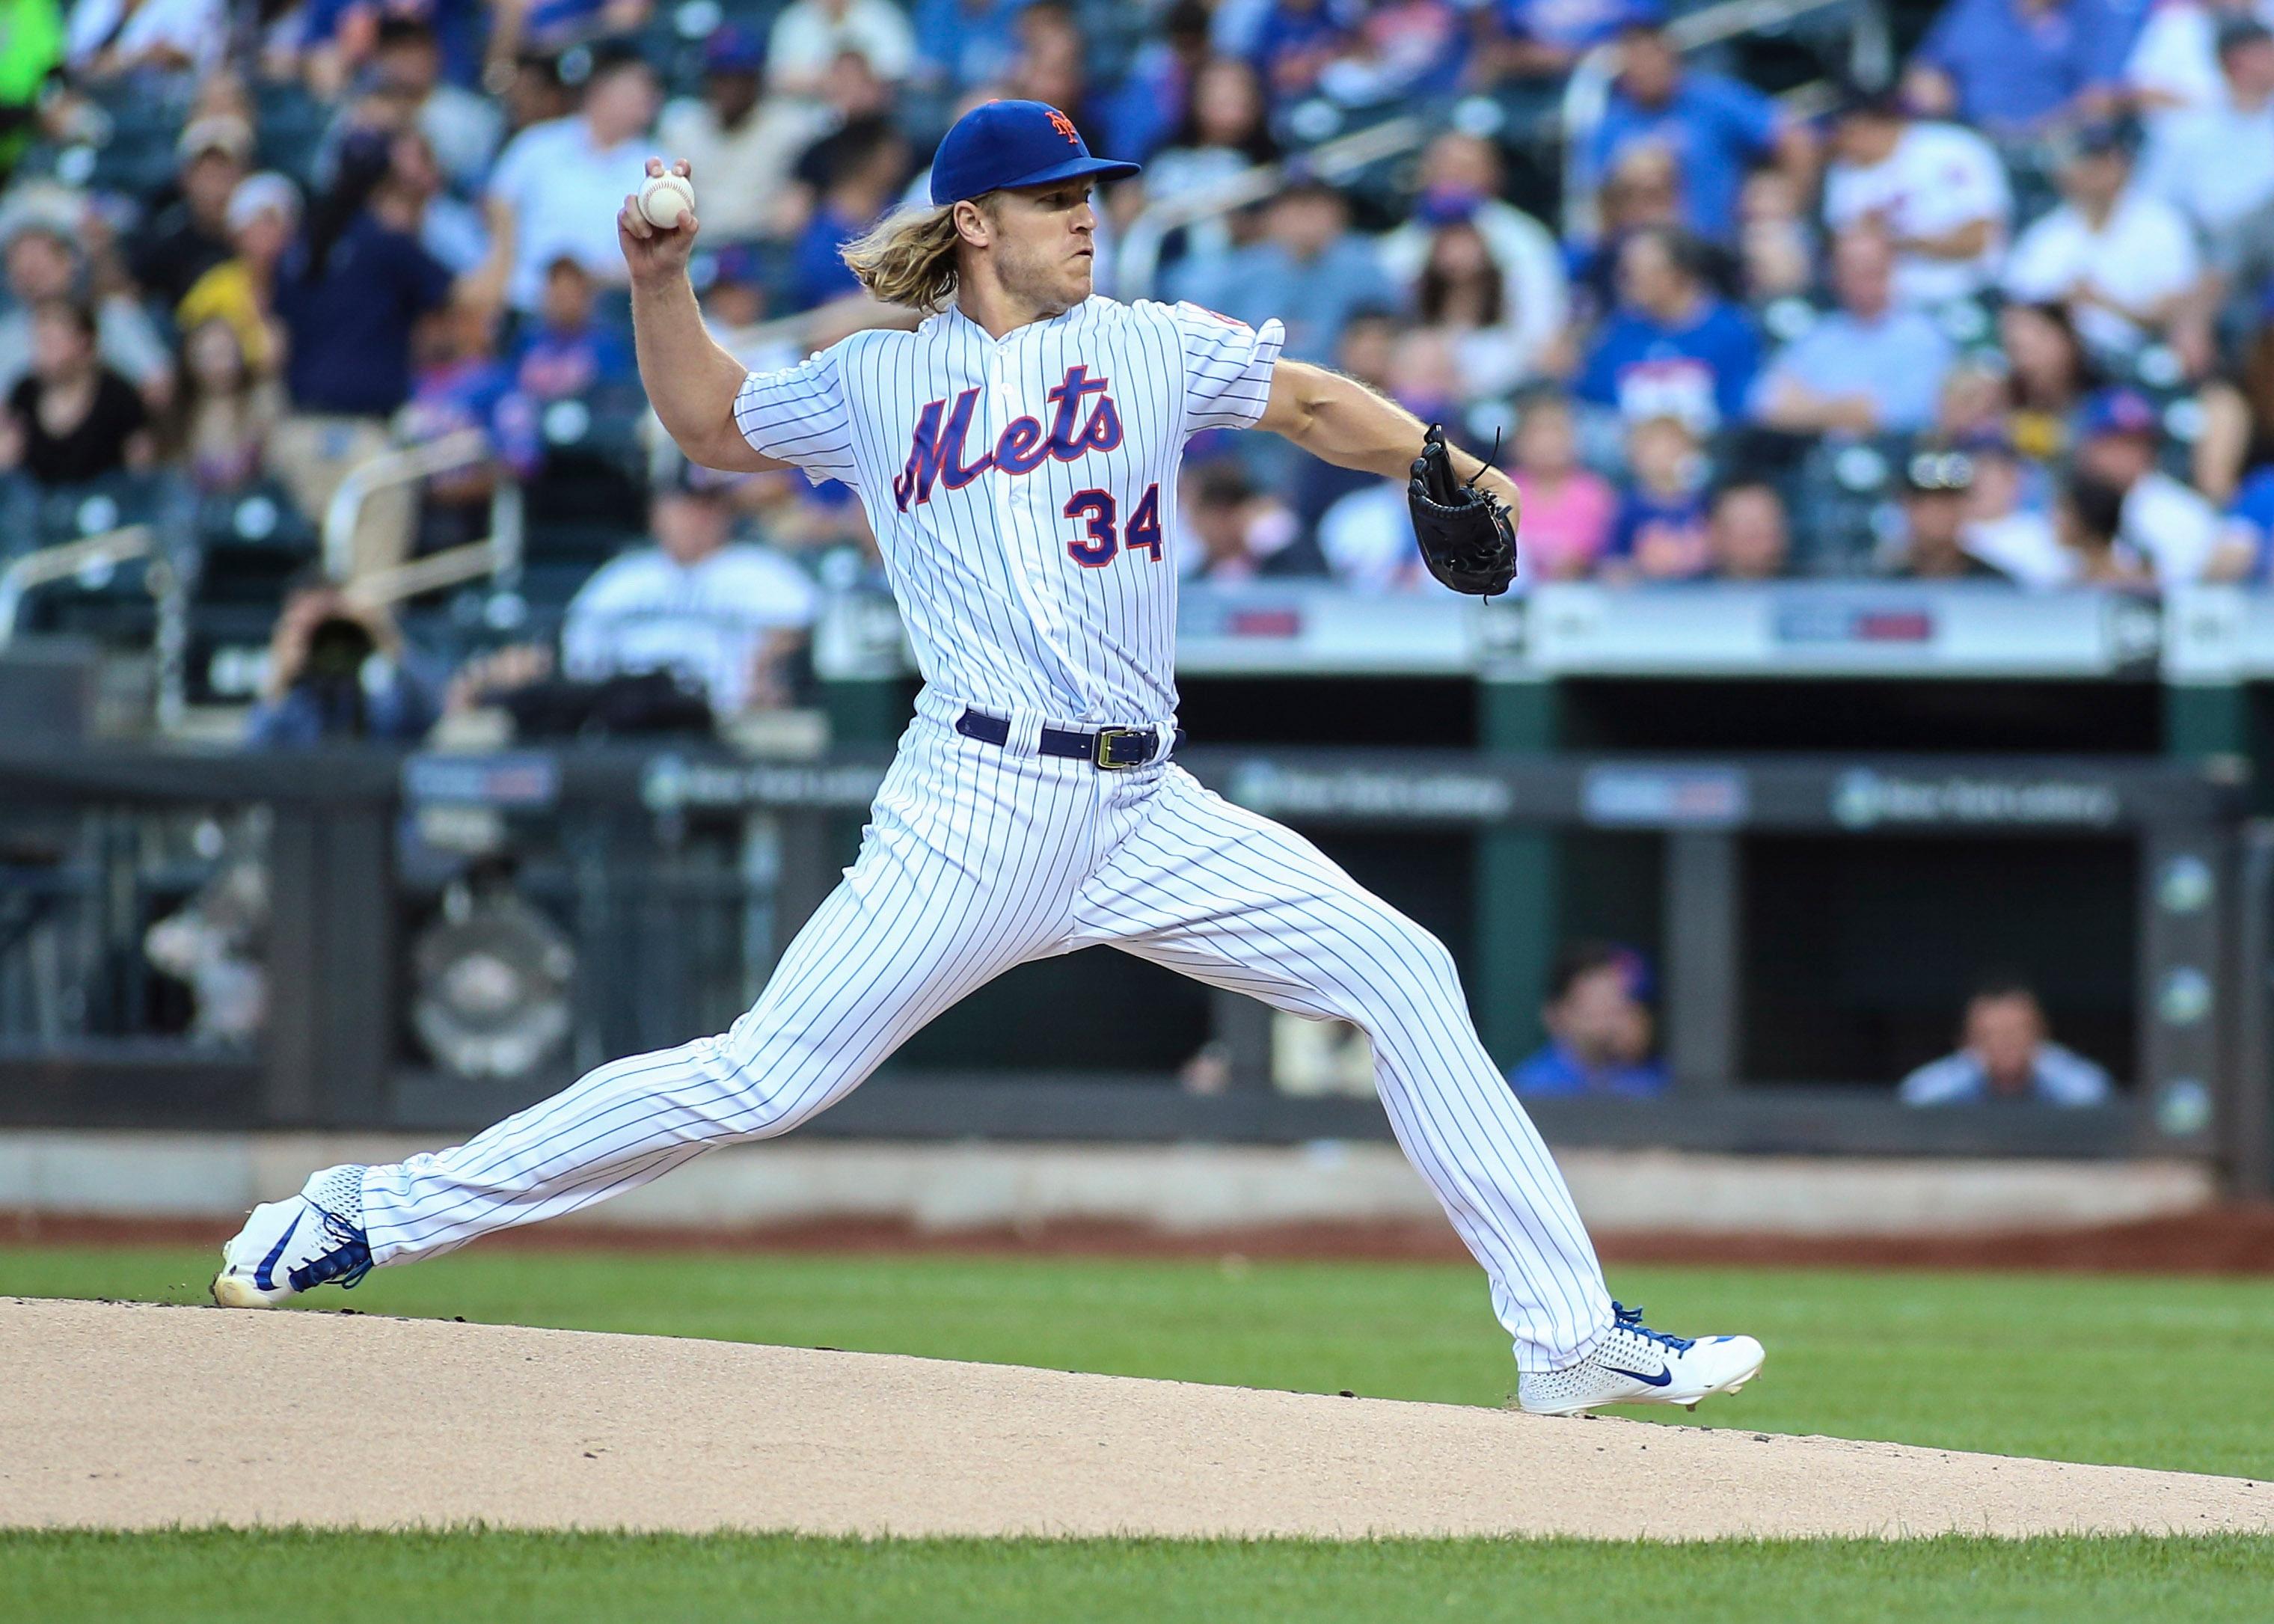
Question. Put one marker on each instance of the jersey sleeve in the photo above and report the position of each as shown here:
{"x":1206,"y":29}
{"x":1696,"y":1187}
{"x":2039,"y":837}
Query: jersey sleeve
{"x":799,"y":416}
{"x":1227,"y":368}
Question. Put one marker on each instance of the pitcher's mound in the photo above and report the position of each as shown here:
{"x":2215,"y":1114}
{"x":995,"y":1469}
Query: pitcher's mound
{"x":123,"y":1417}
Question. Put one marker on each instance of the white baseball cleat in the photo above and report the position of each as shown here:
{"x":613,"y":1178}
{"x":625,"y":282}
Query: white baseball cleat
{"x":287,"y":1246}
{"x":1634,"y":1364}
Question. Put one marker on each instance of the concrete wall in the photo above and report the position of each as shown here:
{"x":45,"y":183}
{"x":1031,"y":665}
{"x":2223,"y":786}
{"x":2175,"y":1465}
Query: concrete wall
{"x":992,"y":1184}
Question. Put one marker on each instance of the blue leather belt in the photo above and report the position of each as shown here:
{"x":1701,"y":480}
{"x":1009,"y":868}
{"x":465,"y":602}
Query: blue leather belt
{"x":1109,"y":750}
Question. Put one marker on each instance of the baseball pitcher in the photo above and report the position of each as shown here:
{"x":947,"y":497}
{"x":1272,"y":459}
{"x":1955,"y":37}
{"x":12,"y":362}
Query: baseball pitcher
{"x":1017,"y":456}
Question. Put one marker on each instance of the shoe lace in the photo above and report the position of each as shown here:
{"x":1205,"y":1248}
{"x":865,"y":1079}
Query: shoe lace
{"x":1630,"y":1320}
{"x":348,"y":1261}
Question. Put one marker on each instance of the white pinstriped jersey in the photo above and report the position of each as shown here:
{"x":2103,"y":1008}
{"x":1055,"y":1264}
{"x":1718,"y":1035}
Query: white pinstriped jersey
{"x":1023,"y":490}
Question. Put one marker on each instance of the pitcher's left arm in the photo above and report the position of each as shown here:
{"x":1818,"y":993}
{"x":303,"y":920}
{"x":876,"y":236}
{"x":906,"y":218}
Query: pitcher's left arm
{"x":1341,"y":420}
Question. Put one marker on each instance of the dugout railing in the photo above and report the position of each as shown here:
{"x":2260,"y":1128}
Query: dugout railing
{"x":337,"y":1050}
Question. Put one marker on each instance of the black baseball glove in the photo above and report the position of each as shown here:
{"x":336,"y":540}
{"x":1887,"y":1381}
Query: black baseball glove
{"x":1467,"y":536}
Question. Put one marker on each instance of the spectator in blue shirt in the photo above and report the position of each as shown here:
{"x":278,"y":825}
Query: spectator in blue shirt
{"x":2246,"y":550}
{"x":336,"y":37}
{"x":1598,"y":1028}
{"x":1671,"y":349}
{"x":2005,"y":1054}
{"x":569,"y":352}
{"x":2014,"y":66}
{"x":1716,"y":128}
{"x":1663,"y":529}
{"x":349,"y":290}
{"x":1866,"y":368}
{"x":1310,"y":270}
{"x":1162,"y":88}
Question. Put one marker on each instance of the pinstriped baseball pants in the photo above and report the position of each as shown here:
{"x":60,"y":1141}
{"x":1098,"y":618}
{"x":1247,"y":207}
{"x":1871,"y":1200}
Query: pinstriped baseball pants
{"x":978,"y":857}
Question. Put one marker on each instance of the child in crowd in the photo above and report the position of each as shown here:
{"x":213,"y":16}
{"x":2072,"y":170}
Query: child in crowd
{"x":2009,"y":522}
{"x":1660,"y":533}
{"x":1567,"y":508}
{"x":569,"y":352}
{"x":219,"y":422}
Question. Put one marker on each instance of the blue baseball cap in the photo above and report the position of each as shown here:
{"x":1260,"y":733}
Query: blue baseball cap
{"x":733,"y":49}
{"x":2118,"y":410}
{"x":1000,"y":144}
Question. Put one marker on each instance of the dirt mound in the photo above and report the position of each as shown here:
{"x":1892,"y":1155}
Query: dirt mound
{"x":123,"y":1415}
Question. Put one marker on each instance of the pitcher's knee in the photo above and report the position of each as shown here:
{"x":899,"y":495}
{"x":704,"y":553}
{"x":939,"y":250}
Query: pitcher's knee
{"x":1391,"y":967}
{"x":771,"y":1090}
{"x":1419,"y":952}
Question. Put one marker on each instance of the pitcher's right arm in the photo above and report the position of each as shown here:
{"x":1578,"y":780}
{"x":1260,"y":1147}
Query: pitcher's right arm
{"x":690,"y":381}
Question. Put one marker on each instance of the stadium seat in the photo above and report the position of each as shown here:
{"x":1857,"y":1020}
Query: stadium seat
{"x":248,"y":546}
{"x":68,"y":512}
{"x":588,"y":498}
{"x":109,"y":601}
{"x":290,"y":124}
{"x":1839,"y":499}
{"x":592,"y":463}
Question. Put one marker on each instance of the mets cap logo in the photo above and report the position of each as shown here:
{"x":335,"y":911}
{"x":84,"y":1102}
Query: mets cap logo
{"x":1064,"y":126}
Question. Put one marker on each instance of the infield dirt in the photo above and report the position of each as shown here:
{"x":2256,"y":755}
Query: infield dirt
{"x":124,"y":1415}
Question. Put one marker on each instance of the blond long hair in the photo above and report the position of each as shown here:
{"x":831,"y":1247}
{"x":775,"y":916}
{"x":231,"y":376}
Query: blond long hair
{"x":908,"y":257}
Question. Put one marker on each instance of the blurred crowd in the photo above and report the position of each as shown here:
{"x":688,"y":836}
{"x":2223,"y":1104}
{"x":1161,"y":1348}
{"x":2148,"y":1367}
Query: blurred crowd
{"x":2008,"y":316}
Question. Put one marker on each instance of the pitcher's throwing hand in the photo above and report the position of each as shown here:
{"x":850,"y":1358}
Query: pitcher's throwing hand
{"x":650,"y":249}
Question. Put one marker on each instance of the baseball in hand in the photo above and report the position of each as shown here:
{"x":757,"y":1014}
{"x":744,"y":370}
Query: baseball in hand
{"x":667,"y":199}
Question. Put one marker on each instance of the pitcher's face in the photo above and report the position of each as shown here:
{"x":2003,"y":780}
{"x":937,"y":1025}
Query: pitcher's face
{"x":1044,"y":240}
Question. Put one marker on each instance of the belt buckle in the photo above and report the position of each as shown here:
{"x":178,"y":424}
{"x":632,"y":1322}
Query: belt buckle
{"x":1101,"y":743}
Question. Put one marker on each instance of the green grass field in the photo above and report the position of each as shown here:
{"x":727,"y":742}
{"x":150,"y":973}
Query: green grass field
{"x":2163,"y":1373}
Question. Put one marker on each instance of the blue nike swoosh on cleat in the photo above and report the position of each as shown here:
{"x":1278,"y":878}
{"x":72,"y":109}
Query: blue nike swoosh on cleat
{"x":261,"y":1276}
{"x":1661,"y":1379}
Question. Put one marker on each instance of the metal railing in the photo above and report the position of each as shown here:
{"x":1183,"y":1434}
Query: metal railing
{"x":463,"y":448}
{"x":497,"y":557}
{"x":65,"y":560}
{"x":1587,"y":93}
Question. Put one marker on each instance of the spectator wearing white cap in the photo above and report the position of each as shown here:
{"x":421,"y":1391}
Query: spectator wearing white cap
{"x":264,"y":212}
{"x":1937,"y":190}
{"x":2120,"y":259}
